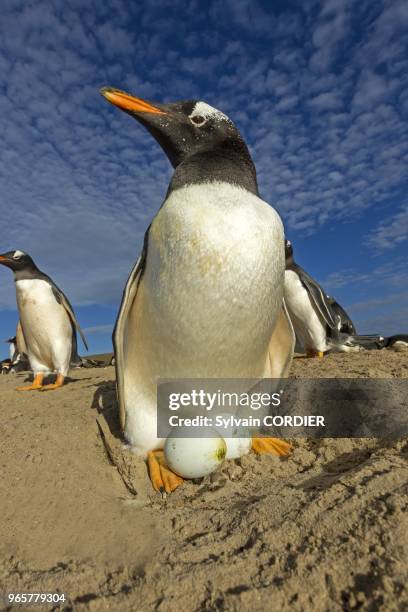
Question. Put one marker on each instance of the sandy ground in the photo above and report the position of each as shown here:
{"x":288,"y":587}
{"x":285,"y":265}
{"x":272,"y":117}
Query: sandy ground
{"x":325,"y":529}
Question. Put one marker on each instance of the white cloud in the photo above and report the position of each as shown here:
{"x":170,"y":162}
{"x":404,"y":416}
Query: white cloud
{"x":390,"y":274}
{"x":373,"y":303}
{"x":326,"y":101}
{"x":391,"y":232}
{"x":371,"y":88}
{"x":331,"y":28}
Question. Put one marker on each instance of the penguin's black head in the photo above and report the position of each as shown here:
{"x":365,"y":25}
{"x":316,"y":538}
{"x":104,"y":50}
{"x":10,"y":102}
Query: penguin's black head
{"x":11,"y":340}
{"x":17,"y":261}
{"x":183,"y":129}
{"x":288,"y":250}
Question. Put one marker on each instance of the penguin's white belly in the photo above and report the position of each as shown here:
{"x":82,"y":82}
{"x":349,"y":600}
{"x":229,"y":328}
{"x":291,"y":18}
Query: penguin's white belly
{"x":207,"y":303}
{"x":307,"y":324}
{"x":47,"y":327}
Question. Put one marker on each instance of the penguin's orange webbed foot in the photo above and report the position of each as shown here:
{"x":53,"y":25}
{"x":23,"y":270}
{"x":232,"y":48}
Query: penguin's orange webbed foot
{"x":163,"y":479}
{"x":35,"y":385}
{"x":58,"y":383}
{"x":319,"y":354}
{"x":272,"y":446}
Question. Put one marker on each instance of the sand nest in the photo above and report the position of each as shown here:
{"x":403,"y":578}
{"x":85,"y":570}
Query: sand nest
{"x":325,"y":529}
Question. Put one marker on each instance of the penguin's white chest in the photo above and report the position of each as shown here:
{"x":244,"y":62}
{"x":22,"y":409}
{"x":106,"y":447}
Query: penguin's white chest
{"x":46,"y":324}
{"x":12,"y":350}
{"x":208,"y":300}
{"x":307,"y":325}
{"x":213,"y":281}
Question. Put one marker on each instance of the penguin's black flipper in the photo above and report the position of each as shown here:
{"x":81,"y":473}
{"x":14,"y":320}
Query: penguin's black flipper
{"x":76,"y":360}
{"x":346,"y":325}
{"x":318,"y":296}
{"x":63,"y":300}
{"x":129,"y":295}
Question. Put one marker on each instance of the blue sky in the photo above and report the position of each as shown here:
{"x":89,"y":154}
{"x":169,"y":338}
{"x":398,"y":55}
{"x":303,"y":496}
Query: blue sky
{"x":318,"y":89}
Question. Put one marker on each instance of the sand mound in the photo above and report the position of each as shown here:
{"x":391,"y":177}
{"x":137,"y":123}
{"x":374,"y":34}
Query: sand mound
{"x":325,"y":529}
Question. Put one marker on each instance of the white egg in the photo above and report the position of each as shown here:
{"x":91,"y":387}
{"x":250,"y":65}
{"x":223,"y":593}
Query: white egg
{"x":193,"y":457}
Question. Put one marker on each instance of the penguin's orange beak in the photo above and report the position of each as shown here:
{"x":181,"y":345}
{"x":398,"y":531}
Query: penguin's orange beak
{"x":129,"y":103}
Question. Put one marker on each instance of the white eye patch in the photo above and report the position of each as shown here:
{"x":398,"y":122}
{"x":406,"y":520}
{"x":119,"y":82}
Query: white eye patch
{"x":202,"y":112}
{"x":18,"y":254}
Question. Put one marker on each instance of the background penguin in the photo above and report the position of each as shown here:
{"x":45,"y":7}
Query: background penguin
{"x":320,"y":323}
{"x":310,"y":309}
{"x":12,"y":342}
{"x":399,"y":342}
{"x":206,"y":297}
{"x":346,"y":343}
{"x":47,"y":319}
{"x":18,"y":352}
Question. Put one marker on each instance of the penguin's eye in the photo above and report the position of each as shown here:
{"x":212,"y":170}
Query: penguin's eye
{"x":17,"y":256}
{"x":198,"y":120}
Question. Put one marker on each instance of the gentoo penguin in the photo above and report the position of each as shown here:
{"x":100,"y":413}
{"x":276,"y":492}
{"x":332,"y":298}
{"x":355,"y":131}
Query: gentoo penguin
{"x":205,"y":299}
{"x":47,"y":319}
{"x":399,"y":342}
{"x":309,"y":308}
{"x":18,"y":352}
{"x":6,"y":364}
{"x":12,"y":342}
